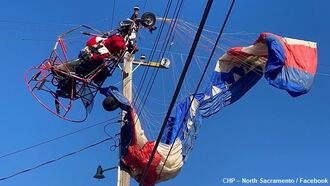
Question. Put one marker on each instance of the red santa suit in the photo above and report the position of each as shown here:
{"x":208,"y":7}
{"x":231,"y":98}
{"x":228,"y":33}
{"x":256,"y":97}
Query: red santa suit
{"x":100,"y":48}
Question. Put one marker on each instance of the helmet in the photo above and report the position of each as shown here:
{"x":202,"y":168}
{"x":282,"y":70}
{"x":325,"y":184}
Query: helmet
{"x":136,"y":8}
{"x":110,"y":103}
{"x":125,"y":24}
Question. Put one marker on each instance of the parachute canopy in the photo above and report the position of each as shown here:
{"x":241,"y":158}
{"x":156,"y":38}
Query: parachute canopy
{"x":136,"y":149}
{"x":286,"y":63}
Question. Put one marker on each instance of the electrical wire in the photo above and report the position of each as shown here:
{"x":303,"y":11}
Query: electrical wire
{"x":144,"y":5}
{"x":202,"y":77}
{"x":152,"y":52}
{"x":37,"y":23}
{"x":210,"y":41}
{"x":163,"y":50}
{"x":140,"y":105}
{"x":55,"y":160}
{"x":58,"y":137}
{"x":113,"y":13}
{"x":177,"y":90}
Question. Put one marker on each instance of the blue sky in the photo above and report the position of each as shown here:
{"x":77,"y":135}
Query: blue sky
{"x":266,"y":133}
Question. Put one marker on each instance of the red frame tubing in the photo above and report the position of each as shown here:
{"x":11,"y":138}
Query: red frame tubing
{"x":47,"y":71}
{"x":60,"y":40}
{"x":33,"y":83}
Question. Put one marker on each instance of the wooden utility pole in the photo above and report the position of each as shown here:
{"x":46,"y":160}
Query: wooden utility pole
{"x":123,"y":176}
{"x":127,"y":71}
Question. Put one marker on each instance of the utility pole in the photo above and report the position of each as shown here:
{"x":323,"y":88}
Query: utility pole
{"x":123,"y":176}
{"x":127,"y":71}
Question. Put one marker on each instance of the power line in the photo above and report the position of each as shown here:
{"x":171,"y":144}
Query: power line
{"x":144,"y":5}
{"x":152,"y":52}
{"x":177,"y":90}
{"x":55,"y":160}
{"x":139,"y":108}
{"x":37,"y":23}
{"x":113,"y":13}
{"x":162,"y":53}
{"x":58,"y":137}
{"x":202,"y":77}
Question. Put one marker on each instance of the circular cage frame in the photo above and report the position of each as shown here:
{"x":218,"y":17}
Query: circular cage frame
{"x":47,"y":74}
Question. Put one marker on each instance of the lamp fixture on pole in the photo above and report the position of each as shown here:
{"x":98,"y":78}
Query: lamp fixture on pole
{"x":99,"y":172}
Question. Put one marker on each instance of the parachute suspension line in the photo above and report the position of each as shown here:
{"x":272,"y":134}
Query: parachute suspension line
{"x":198,"y":61}
{"x":172,"y":27}
{"x":184,"y":86}
{"x":176,"y":53}
{"x":191,"y":30}
{"x":156,"y":101}
{"x":202,"y":77}
{"x":215,"y":33}
{"x":177,"y":90}
{"x":183,"y":35}
{"x":188,"y":27}
{"x":205,"y":30}
{"x":238,"y":41}
{"x":109,"y":121}
{"x":175,"y":71}
{"x":246,"y":64}
{"x":258,"y":71}
{"x":322,"y":74}
{"x":152,"y":52}
{"x":56,"y":159}
{"x":146,"y":119}
{"x":146,"y":71}
{"x":151,"y":115}
{"x":144,"y":5}
{"x":208,"y":42}
{"x":163,"y":49}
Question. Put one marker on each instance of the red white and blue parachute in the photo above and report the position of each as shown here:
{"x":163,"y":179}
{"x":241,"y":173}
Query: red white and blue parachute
{"x":288,"y":64}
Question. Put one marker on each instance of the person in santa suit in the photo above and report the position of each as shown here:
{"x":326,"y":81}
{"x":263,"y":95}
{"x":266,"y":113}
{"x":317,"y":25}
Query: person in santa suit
{"x":100,"y":48}
{"x":95,"y":53}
